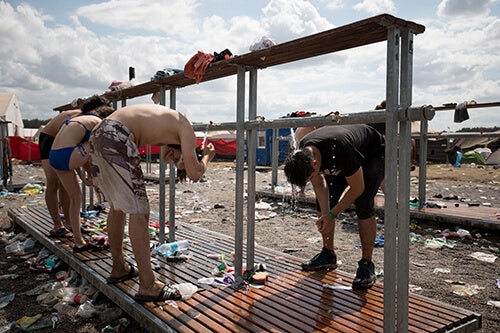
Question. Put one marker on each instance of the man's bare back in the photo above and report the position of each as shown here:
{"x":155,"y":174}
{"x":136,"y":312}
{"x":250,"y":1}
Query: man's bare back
{"x":153,"y":124}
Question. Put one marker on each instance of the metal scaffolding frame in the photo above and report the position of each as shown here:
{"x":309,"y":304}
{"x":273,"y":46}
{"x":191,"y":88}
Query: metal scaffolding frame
{"x":398,"y":115}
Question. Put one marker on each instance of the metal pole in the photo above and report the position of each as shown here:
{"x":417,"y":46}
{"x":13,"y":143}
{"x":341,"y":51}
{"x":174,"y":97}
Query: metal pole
{"x":390,"y":195}
{"x":161,"y":185}
{"x":240,"y":160}
{"x":171,"y":181}
{"x":404,"y":183}
{"x":251,"y":164}
{"x":422,"y":163}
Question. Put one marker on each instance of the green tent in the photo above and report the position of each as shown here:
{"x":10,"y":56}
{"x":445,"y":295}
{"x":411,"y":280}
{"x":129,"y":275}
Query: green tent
{"x":472,"y":157}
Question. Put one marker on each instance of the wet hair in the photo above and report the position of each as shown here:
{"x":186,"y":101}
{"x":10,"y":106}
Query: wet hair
{"x":181,"y":173}
{"x":298,"y":167}
{"x":98,"y":105}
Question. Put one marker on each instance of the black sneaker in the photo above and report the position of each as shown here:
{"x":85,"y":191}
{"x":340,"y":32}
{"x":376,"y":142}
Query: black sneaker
{"x":326,"y":259}
{"x":365,"y":275}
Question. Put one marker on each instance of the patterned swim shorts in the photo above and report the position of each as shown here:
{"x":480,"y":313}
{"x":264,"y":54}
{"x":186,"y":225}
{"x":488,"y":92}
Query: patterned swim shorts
{"x":116,"y":167}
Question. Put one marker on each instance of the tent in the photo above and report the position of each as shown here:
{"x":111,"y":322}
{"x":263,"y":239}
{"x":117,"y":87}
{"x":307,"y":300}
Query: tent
{"x":24,"y":149}
{"x":494,"y":158}
{"x":472,"y":156}
{"x":224,"y":143}
{"x":10,"y":112}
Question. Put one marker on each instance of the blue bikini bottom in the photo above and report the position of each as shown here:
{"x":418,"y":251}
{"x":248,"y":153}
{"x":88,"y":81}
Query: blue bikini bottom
{"x":59,"y":158}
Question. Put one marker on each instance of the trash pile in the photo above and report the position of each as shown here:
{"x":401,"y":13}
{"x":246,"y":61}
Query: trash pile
{"x":61,"y":291}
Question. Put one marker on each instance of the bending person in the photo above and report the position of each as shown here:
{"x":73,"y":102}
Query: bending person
{"x":55,"y":194}
{"x":350,"y":155}
{"x":69,"y":154}
{"x":117,"y":172}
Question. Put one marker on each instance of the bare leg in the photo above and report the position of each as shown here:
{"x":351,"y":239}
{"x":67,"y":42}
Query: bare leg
{"x":139,"y":236}
{"x":116,"y":233}
{"x":64,"y":200}
{"x":70,"y":183}
{"x":52,"y":187}
{"x":367,"y":234}
{"x":329,"y":240}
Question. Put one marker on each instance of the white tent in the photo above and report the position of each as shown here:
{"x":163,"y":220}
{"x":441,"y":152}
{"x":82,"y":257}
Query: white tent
{"x":10,"y":112}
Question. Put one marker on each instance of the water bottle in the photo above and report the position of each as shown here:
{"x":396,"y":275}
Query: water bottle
{"x":169,"y":249}
{"x":186,"y":289}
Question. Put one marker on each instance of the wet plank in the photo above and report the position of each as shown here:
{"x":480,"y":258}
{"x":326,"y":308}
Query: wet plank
{"x":290,"y":301}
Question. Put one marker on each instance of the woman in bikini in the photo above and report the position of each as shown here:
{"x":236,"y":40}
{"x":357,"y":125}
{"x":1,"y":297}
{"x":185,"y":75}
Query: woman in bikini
{"x":55,"y":194}
{"x":69,"y":154}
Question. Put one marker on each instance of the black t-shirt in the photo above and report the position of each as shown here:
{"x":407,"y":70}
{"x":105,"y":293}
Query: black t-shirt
{"x":344,"y":148}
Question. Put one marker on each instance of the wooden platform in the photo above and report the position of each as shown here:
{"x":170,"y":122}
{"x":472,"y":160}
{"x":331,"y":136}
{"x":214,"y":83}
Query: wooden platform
{"x":470,"y":216}
{"x":291,"y":300}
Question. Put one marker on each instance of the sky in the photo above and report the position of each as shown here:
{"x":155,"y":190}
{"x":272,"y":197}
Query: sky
{"x":56,"y":50}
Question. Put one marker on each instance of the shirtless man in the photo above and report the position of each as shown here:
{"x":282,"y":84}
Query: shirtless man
{"x":54,"y":191}
{"x":117,"y":172}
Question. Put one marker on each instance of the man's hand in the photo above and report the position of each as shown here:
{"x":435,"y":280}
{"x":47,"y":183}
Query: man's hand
{"x":209,"y":151}
{"x":325,"y":224}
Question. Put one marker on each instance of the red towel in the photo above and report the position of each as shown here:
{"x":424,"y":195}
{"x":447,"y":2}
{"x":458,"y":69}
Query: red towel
{"x":197,"y":65}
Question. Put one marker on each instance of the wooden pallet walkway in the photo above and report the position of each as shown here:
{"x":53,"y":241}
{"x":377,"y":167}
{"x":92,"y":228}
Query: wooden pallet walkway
{"x":470,"y":216}
{"x":291,"y":300}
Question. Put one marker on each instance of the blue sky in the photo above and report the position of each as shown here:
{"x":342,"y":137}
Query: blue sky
{"x":55,"y":51}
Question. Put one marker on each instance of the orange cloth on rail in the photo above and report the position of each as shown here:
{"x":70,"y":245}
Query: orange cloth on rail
{"x":197,"y":65}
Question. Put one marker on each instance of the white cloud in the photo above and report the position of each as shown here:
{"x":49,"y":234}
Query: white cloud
{"x":464,"y":8}
{"x":47,"y":63}
{"x":376,"y":6}
{"x":286,"y":20}
{"x":335,"y":4}
{"x":173,"y":17}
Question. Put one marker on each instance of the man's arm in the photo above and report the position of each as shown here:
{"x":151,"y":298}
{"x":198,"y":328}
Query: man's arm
{"x":194,"y":168}
{"x":356,"y":187}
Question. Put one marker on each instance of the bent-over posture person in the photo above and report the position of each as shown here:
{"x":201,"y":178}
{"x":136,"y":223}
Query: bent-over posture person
{"x":117,"y":172}
{"x":55,"y":194}
{"x":69,"y":153}
{"x":333,"y":158}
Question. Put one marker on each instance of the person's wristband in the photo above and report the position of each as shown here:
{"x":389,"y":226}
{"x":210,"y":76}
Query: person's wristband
{"x":332,"y":215}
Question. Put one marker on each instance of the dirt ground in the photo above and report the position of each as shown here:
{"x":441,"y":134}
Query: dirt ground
{"x":448,"y":274}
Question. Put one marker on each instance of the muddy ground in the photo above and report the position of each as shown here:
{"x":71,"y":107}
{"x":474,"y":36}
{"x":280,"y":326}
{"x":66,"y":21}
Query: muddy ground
{"x":449,"y":274}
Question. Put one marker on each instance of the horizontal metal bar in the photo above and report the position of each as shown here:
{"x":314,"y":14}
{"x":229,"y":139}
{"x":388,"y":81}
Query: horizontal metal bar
{"x":425,"y":112}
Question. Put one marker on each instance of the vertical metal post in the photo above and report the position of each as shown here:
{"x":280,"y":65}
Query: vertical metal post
{"x":240,"y":160}
{"x":422,"y":164}
{"x":274,"y":163}
{"x":171,"y":181}
{"x":3,"y":126}
{"x":161,"y":184}
{"x":404,"y":183}
{"x":275,"y":140}
{"x":391,"y":161}
{"x":84,"y":196}
{"x":251,"y":164}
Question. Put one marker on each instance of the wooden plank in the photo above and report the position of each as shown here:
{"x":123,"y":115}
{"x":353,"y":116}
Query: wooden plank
{"x":364,"y":32}
{"x":291,"y":301}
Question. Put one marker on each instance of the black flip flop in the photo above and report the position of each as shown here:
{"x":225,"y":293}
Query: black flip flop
{"x":60,"y":233}
{"x":167,"y":293}
{"x":131,"y":274}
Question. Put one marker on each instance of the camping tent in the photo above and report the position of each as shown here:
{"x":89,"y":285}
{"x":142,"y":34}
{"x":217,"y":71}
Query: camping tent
{"x":472,"y":156}
{"x":10,"y":112}
{"x":494,"y":158}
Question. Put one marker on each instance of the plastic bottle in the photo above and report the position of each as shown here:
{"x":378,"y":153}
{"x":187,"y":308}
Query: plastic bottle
{"x":186,"y":289}
{"x":168,"y":249}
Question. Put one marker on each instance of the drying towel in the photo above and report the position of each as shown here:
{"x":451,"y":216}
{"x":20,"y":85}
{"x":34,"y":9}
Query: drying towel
{"x":197,"y":65}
